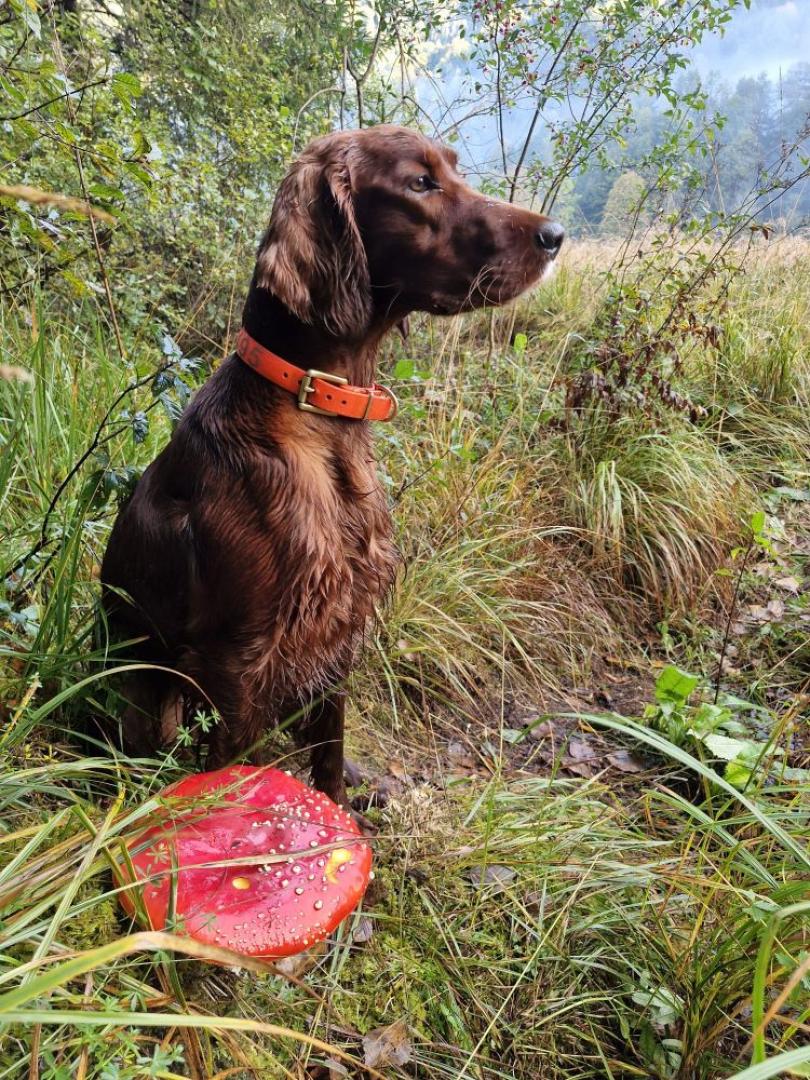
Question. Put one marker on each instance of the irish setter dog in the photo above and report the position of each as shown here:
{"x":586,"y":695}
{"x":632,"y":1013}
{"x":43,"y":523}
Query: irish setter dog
{"x":256,"y":546}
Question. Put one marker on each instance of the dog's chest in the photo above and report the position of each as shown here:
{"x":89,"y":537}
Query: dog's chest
{"x":340,"y":563}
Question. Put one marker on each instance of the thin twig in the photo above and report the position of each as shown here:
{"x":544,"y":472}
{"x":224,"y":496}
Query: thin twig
{"x":57,"y":48}
{"x":359,"y":80}
{"x":53,"y":100}
{"x":729,"y":620}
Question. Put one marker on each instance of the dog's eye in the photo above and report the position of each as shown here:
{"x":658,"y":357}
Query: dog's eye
{"x":422,"y":183}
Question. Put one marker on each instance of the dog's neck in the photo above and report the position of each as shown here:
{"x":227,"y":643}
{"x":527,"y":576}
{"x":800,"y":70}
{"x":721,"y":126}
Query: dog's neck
{"x":275,"y":327}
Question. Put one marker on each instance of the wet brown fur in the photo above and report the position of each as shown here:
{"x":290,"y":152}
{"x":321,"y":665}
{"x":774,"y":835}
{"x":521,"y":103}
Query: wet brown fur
{"x":256,"y":547}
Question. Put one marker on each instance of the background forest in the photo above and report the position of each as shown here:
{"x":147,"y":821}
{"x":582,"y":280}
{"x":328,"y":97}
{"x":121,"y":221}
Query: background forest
{"x":587,"y":702}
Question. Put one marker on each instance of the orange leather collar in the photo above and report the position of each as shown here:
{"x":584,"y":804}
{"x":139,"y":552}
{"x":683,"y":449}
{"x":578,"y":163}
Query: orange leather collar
{"x":318,"y":391}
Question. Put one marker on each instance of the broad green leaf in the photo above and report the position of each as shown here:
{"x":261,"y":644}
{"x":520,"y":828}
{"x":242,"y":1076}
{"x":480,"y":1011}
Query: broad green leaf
{"x":100,"y":190}
{"x":723,"y":746}
{"x":30,"y":17}
{"x":757,"y":522}
{"x":126,"y":87}
{"x":675,"y":686}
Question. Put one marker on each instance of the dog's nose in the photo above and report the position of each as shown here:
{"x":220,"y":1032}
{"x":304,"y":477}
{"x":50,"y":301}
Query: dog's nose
{"x":549,"y":237}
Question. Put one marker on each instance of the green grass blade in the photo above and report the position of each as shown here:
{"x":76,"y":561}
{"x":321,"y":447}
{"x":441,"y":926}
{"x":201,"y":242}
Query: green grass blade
{"x":664,"y":746}
{"x":776,"y":1066}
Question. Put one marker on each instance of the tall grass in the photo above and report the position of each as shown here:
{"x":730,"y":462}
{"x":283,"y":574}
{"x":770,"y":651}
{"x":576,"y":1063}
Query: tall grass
{"x":524,"y":925}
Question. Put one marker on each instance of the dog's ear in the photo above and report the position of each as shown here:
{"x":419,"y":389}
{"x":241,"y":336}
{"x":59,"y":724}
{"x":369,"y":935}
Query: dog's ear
{"x":312,"y":256}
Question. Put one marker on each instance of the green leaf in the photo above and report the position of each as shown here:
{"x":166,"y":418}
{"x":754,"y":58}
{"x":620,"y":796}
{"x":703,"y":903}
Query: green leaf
{"x":520,"y":343}
{"x":665,"y":1006}
{"x":739,"y":774}
{"x":138,"y":173}
{"x":404,"y":369}
{"x":100,"y":190}
{"x":709,"y":717}
{"x":30,"y":17}
{"x":128,"y":82}
{"x":757,"y":522}
{"x":675,"y":686}
{"x":511,"y":735}
{"x":723,"y":746}
{"x":127,"y":88}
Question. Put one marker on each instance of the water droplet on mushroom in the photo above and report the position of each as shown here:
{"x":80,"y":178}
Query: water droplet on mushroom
{"x":318,"y":905}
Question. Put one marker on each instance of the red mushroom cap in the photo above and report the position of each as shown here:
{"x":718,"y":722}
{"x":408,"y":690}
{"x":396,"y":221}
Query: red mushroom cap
{"x":309,"y":866}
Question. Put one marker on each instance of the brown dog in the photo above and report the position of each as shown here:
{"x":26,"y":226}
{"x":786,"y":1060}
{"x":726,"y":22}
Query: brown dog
{"x":256,"y":546}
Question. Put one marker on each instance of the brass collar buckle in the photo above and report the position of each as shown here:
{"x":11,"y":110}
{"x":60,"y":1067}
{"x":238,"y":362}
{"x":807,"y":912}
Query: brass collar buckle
{"x":306,"y":387}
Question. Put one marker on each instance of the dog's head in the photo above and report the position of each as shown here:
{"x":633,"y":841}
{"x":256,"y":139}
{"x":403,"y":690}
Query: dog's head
{"x":370,"y":225}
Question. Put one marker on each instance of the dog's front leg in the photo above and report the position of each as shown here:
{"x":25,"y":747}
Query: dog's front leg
{"x":321,"y":729}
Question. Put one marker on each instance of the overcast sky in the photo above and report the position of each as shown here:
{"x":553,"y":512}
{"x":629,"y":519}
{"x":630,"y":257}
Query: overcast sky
{"x":772,"y":34}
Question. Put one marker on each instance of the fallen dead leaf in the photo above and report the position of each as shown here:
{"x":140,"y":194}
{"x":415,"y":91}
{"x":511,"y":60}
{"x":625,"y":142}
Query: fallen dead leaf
{"x":301,"y":963}
{"x":542,"y":730}
{"x":495,"y":875}
{"x":390,"y":1045}
{"x":336,"y":1070}
{"x":581,"y":750}
{"x":536,"y":903}
{"x":397,"y":770}
{"x":364,"y":931}
{"x":585,"y":769}
{"x":789,"y":584}
{"x":458,"y":753}
{"x":775,"y":609}
{"x":624,"y":761}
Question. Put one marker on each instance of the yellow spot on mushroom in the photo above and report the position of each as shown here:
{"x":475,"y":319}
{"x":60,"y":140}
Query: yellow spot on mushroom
{"x":240,"y":883}
{"x":336,"y":859}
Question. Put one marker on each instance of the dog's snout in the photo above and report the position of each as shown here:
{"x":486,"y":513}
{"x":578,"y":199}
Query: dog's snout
{"x":549,"y":237}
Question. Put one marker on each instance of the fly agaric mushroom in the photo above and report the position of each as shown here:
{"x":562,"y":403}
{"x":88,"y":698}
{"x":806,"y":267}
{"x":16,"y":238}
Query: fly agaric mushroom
{"x":298,"y":865}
